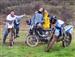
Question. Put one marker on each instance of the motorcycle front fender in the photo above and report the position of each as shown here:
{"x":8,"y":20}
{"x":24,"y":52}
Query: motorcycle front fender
{"x":69,"y":29}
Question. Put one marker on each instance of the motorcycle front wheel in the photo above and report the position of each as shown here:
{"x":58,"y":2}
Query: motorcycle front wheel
{"x":67,"y":40}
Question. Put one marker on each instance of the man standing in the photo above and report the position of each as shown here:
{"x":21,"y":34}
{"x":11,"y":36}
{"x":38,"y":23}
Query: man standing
{"x":11,"y":17}
{"x":17,"y":24}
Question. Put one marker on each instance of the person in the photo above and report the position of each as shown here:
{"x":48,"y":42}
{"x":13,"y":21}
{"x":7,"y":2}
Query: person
{"x":11,"y":17}
{"x":37,"y":20}
{"x":17,"y":24}
{"x":57,"y":25}
{"x":46,"y":24}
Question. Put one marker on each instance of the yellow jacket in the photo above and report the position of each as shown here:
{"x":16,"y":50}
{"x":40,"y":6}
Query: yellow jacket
{"x":46,"y":24}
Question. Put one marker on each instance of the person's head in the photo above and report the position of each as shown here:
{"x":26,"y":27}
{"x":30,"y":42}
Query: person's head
{"x":12,"y":13}
{"x":53,"y":19}
{"x":41,"y":10}
{"x":46,"y":12}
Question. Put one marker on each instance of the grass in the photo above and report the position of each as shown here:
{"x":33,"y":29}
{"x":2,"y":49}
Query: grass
{"x":22,"y":50}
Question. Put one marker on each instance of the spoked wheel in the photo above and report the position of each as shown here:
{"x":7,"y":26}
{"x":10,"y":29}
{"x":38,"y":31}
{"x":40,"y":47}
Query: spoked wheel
{"x":67,"y":40}
{"x":32,"y":41}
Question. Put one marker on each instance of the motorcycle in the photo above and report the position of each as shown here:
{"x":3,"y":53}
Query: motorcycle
{"x":33,"y":39}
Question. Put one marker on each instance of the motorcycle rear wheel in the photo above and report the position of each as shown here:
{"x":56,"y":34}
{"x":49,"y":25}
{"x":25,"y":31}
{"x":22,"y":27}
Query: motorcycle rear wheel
{"x":32,"y":40}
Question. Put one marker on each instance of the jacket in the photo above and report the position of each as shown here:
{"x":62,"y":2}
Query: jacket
{"x":46,"y":24}
{"x":37,"y":18}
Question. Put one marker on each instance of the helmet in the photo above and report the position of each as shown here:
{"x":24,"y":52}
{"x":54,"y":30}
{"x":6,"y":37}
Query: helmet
{"x":53,"y":19}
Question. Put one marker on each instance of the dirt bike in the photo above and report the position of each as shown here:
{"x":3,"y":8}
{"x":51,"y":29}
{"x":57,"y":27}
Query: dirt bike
{"x":10,"y":26}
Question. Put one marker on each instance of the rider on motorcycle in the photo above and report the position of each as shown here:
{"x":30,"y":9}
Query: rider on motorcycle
{"x":46,"y":18}
{"x":57,"y":25}
{"x":36,"y":21}
{"x":40,"y":19}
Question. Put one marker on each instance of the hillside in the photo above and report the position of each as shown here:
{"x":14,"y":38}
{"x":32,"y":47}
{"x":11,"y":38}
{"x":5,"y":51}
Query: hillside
{"x":64,"y":9}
